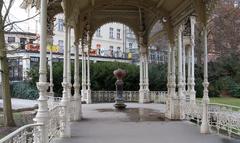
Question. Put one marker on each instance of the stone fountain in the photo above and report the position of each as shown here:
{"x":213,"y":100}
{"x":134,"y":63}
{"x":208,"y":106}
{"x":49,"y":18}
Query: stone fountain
{"x":119,"y":101}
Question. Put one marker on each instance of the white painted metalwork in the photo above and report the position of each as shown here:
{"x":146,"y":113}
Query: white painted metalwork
{"x":65,"y":94}
{"x":32,"y":132}
{"x":72,"y":108}
{"x":143,"y":81}
{"x":204,"y":125}
{"x":158,"y":96}
{"x":129,"y":96}
{"x":224,"y":118}
{"x":53,"y":102}
{"x":55,"y":125}
{"x":192,"y":92}
{"x":103,"y":96}
{"x":26,"y":134}
{"x":42,"y":115}
{"x":192,"y":110}
{"x":76,"y":85}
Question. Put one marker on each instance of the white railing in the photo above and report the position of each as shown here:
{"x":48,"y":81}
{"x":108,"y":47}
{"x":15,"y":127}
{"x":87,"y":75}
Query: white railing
{"x":103,"y":96}
{"x":53,"y":102}
{"x":129,"y":96}
{"x":25,"y":134}
{"x":56,"y":123}
{"x":158,"y":96}
{"x":31,"y":133}
{"x":222,"y":118}
{"x":191,"y":110}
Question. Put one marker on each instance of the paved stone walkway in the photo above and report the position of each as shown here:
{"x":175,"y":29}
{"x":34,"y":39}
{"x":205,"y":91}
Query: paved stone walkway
{"x":21,"y":103}
{"x":140,"y":124}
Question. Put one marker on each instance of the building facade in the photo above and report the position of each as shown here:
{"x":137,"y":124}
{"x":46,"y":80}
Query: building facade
{"x":23,"y":54}
{"x":110,"y":40}
{"x":18,"y":44}
{"x":157,"y":56}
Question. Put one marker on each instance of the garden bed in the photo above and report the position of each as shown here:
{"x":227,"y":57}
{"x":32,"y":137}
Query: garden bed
{"x":21,"y":118}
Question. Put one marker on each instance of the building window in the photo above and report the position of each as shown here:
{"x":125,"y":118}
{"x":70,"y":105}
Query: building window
{"x":15,"y":69}
{"x":11,"y":40}
{"x":34,"y":59}
{"x":61,"y":45}
{"x":111,"y":51}
{"x":130,"y":31}
{"x":118,"y":52}
{"x":31,"y":41}
{"x":98,"y":32}
{"x":153,"y":57}
{"x":118,"y":33}
{"x":60,"y":25}
{"x":111,"y":33}
{"x":130,"y":45}
{"x":23,"y":43}
{"x":34,"y":62}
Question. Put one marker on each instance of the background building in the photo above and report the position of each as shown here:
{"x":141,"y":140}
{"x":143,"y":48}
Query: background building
{"x":131,"y":45}
{"x":23,"y":54}
{"x":18,"y":46}
{"x":157,"y":55}
{"x":110,"y":40}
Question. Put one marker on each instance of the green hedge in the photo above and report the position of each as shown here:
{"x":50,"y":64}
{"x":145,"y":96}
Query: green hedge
{"x":102,"y":76}
{"x":224,"y":77}
{"x":23,"y":90}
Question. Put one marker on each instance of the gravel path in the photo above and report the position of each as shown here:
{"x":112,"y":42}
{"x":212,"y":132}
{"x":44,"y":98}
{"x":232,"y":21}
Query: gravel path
{"x":18,"y":104}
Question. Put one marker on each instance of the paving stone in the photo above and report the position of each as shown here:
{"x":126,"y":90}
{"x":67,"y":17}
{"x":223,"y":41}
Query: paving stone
{"x":116,"y":127}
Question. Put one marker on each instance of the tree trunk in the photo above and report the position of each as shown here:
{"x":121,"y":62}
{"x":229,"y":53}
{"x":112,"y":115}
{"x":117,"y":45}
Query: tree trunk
{"x":7,"y":106}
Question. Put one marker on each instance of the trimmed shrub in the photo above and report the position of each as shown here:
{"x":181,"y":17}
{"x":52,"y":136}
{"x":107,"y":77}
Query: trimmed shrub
{"x":24,"y":90}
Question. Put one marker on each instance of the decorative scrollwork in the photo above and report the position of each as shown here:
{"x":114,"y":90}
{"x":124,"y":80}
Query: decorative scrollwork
{"x":26,"y":134}
{"x":129,"y":96}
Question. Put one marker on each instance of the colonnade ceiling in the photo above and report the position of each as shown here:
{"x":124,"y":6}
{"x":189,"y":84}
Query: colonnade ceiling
{"x":139,"y":15}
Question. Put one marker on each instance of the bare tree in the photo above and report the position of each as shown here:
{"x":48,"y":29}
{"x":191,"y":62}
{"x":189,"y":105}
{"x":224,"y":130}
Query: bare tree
{"x":6,"y":23}
{"x":224,"y":36}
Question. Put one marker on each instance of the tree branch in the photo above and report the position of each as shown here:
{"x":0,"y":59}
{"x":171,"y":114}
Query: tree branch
{"x":7,"y":11}
{"x":15,"y":22}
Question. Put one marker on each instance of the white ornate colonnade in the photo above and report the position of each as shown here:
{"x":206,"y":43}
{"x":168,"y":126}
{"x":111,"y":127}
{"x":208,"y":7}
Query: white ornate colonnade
{"x":84,"y":28}
{"x":86,"y":83}
{"x":85,"y":16}
{"x":143,"y":64}
{"x":185,"y":88}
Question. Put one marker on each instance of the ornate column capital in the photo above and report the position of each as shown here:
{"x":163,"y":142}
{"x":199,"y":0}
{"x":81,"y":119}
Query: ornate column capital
{"x":193,"y":20}
{"x":76,"y":43}
{"x":88,"y":27}
{"x":50,"y":26}
{"x":181,"y":28}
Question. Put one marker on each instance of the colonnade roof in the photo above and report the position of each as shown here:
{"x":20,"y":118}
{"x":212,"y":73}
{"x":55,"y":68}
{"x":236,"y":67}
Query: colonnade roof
{"x":139,"y":15}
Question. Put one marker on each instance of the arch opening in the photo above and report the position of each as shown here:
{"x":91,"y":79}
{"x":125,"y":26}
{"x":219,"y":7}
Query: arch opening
{"x":115,"y":40}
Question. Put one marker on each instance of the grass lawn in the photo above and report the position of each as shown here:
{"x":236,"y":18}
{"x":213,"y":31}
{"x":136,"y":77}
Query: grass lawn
{"x":226,"y":100}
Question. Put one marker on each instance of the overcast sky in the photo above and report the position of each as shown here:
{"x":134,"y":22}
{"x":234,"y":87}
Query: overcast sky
{"x":17,"y":13}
